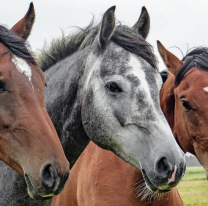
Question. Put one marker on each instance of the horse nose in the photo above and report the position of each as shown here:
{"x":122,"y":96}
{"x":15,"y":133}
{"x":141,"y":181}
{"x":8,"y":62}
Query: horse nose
{"x":49,"y":175}
{"x":163,"y":168}
{"x":53,"y":181}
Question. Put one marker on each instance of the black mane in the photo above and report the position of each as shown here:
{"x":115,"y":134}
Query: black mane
{"x":67,"y":45}
{"x":196,"y":58}
{"x":164,"y":74}
{"x":16,"y":45}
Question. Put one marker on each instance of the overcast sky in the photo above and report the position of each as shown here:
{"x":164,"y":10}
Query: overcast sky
{"x":181,"y":23}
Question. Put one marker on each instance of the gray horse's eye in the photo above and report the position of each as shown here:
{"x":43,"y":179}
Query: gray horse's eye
{"x":113,"y":87}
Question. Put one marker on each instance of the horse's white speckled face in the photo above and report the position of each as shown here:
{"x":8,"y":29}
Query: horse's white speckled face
{"x":120,"y":103}
{"x":124,"y":115}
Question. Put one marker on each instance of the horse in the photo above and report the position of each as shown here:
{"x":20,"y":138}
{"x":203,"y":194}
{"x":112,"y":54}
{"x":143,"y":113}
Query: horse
{"x":183,"y":98}
{"x":102,"y":85}
{"x":28,"y":140}
{"x":99,"y":177}
{"x":109,"y":91}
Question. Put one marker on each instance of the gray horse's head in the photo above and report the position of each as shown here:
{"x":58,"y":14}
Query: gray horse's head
{"x":120,"y":102}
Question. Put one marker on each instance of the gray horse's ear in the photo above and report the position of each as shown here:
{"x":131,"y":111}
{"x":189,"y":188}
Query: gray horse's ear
{"x":142,"y":26}
{"x":107,"y":26}
{"x":23,"y":27}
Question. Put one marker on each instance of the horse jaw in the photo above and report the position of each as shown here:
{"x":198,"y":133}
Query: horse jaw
{"x":202,"y":156}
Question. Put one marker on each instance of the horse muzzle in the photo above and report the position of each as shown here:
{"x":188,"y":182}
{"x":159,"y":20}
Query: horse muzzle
{"x":51,"y":183}
{"x":164,"y":176}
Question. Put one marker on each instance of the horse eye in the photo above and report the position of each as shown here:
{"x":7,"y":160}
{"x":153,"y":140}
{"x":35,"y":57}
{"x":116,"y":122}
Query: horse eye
{"x":2,"y":87}
{"x":113,"y":87}
{"x":186,"y":105}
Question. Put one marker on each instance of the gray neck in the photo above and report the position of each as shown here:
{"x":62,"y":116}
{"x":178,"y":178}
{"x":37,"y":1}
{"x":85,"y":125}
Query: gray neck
{"x":13,"y":189}
{"x":63,"y":103}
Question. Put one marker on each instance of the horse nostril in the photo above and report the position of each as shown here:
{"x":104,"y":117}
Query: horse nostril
{"x":163,"y":168}
{"x":49,"y":175}
{"x":182,"y":167}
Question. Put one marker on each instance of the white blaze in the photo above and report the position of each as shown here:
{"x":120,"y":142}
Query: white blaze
{"x":22,"y":66}
{"x":138,"y":72}
{"x":206,"y":89}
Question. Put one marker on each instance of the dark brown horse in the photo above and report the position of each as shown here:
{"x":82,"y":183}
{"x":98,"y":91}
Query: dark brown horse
{"x":184,"y":98}
{"x":28,"y":140}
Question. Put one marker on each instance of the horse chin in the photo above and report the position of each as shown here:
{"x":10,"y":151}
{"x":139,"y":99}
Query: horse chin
{"x":151,"y":186}
{"x":33,"y":193}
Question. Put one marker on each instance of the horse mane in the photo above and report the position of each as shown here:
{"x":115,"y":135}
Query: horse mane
{"x":164,"y":75}
{"x":196,"y":58}
{"x":16,"y":45}
{"x":123,"y":36}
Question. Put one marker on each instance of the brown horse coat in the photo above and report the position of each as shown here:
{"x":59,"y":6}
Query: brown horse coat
{"x":100,"y":178}
{"x":184,"y":98}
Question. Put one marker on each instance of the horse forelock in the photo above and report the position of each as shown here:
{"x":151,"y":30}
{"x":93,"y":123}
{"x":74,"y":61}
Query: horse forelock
{"x":16,"y":45}
{"x":123,"y":36}
{"x":196,"y":58}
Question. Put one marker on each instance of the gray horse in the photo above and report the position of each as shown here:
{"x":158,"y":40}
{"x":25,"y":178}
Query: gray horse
{"x":103,"y":85}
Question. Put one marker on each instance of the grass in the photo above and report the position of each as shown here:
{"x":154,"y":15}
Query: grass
{"x":194,"y":187}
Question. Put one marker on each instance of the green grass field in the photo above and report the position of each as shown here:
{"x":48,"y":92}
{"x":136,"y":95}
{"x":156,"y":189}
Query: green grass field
{"x":194,"y":187}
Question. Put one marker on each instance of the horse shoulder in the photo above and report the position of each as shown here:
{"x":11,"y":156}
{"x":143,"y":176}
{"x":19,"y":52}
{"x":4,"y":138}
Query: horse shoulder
{"x":101,"y":178}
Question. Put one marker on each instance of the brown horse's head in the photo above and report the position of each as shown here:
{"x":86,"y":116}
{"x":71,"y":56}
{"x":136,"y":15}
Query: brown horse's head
{"x":184,"y":98}
{"x":28,"y":140}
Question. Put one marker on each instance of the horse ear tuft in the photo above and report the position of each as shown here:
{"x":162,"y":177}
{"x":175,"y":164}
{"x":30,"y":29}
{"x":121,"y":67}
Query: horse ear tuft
{"x":24,"y":26}
{"x":107,"y":26}
{"x":172,"y":63}
{"x":142,"y":26}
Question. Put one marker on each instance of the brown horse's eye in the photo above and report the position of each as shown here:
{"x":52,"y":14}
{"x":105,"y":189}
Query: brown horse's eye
{"x":186,"y":105}
{"x":2,"y":87}
{"x":113,"y":87}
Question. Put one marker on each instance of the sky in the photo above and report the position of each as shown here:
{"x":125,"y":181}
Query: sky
{"x":176,"y":23}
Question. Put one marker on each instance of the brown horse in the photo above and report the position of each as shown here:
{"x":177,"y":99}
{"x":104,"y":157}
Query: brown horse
{"x":28,"y":140}
{"x":101,"y":178}
{"x":183,"y":100}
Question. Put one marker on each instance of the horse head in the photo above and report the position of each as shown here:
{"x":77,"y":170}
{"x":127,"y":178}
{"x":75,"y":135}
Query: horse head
{"x":183,"y":100}
{"x":28,"y":140}
{"x":120,"y":102}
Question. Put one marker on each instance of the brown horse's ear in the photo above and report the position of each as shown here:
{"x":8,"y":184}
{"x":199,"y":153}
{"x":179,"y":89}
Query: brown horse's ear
{"x":172,"y":63}
{"x":142,"y":26}
{"x":24,"y":26}
{"x":107,"y":26}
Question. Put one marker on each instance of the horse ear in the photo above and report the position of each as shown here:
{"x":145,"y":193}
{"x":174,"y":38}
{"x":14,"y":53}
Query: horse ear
{"x":172,"y":63}
{"x":24,"y":26}
{"x":142,"y":26}
{"x":107,"y":26}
